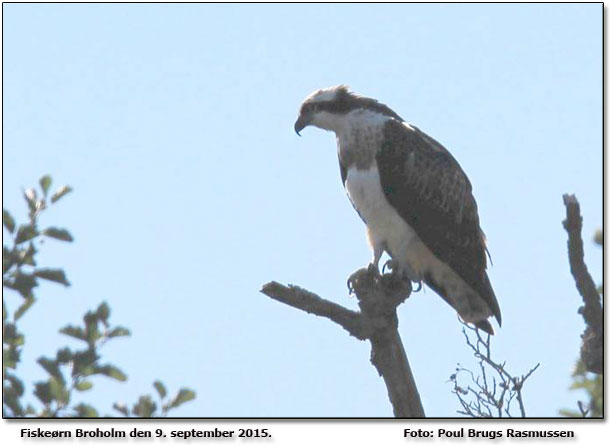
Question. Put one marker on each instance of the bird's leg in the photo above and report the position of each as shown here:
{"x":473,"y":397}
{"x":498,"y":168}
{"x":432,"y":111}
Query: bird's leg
{"x":372,"y":268}
{"x":408,"y":274}
{"x":378,"y":250}
{"x":391,"y":264}
{"x":350,"y":283}
{"x":403,"y":273}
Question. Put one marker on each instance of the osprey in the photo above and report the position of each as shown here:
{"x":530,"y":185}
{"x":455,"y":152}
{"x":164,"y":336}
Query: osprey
{"x":413,"y":196}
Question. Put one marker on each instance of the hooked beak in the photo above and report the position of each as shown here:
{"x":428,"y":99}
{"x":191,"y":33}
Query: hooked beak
{"x":301,"y":123}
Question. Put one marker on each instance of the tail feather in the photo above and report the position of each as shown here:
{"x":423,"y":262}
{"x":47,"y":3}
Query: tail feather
{"x":487,"y":296}
{"x":485,"y":326}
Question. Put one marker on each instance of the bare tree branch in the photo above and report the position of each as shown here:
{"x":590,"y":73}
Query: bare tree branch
{"x":491,"y":397}
{"x":311,"y":303}
{"x":592,"y":339}
{"x":378,"y":298}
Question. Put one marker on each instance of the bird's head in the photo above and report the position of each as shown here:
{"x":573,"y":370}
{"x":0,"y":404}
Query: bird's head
{"x":327,"y":108}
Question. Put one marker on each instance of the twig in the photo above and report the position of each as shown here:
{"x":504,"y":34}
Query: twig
{"x":592,"y":339}
{"x":584,"y":412}
{"x":378,"y":298}
{"x":488,"y":397}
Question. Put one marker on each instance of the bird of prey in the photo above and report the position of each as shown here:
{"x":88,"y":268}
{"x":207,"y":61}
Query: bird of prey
{"x":413,"y":196}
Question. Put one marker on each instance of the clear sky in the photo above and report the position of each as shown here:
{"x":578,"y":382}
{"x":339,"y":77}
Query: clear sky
{"x":174,"y":126}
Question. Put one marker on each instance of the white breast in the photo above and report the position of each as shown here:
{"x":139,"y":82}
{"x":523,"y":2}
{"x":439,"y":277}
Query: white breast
{"x":384,"y":225}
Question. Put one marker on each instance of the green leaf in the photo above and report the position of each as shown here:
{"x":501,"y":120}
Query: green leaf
{"x":145,"y":407}
{"x":84,"y":410}
{"x":52,"y":367}
{"x":56,"y":275}
{"x":13,"y":390}
{"x":24,"y":283}
{"x":84,"y":385}
{"x":64,"y":356}
{"x":8,"y":259}
{"x":12,"y":394}
{"x":8,"y":221}
{"x":15,"y":384}
{"x":60,"y":193}
{"x":103,"y":311}
{"x":569,"y":413}
{"x":61,"y":234}
{"x":18,"y":341}
{"x":12,"y":336}
{"x":24,"y":307}
{"x":26,"y":256}
{"x":58,"y":390}
{"x":31,"y":199}
{"x":84,"y":363}
{"x":160,"y":388}
{"x":121,"y":407}
{"x":92,"y":333}
{"x":51,"y":390}
{"x":185,"y":395}
{"x":10,"y":357}
{"x":73,"y":331}
{"x":45,"y":182}
{"x":118,"y":332}
{"x":42,"y":392}
{"x":25,"y":233}
{"x":112,"y":372}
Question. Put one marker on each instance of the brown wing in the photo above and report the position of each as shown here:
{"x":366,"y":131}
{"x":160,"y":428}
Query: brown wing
{"x":428,"y":188}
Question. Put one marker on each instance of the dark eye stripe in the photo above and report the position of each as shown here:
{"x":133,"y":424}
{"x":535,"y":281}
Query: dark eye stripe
{"x":309,"y":107}
{"x":345,"y":102}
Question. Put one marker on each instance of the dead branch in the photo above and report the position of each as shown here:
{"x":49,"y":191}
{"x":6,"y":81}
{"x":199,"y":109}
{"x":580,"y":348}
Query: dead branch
{"x":378,"y":298}
{"x":591,"y":352}
{"x":490,"y":396}
{"x":311,"y":303}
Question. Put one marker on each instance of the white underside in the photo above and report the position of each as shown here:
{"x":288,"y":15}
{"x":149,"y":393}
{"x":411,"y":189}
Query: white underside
{"x":386,"y":230}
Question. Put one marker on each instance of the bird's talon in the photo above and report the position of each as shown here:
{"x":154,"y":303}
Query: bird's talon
{"x":349,"y":285}
{"x":390,"y":264}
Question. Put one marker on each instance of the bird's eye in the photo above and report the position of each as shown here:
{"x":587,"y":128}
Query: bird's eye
{"x":310,"y":107}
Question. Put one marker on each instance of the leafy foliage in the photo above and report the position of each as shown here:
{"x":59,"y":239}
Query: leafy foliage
{"x":146,"y":407}
{"x":70,"y":371}
{"x":592,"y":385}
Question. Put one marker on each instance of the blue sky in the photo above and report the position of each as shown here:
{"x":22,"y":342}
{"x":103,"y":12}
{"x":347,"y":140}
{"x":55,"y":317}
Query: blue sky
{"x":174,"y":125}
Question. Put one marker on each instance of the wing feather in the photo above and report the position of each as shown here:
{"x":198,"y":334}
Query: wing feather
{"x":428,"y":188}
